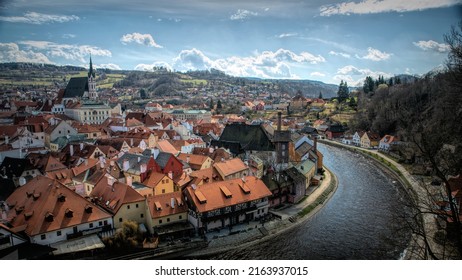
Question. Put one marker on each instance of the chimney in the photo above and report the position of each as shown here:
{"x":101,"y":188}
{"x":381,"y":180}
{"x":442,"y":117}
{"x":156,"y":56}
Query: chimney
{"x":125,"y":165}
{"x":131,"y":142}
{"x":139,"y":159}
{"x":7,"y":139}
{"x":279,"y":121}
{"x":86,"y":162}
{"x":143,"y":168}
{"x":71,"y":150}
{"x":81,"y":146}
{"x":129,"y":180}
{"x":211,"y":150}
{"x":155,"y":152}
{"x":172,"y":202}
{"x":315,"y":145}
{"x":188,"y":159}
{"x":170,"y":175}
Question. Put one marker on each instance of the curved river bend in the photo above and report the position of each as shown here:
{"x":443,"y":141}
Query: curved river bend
{"x":360,"y":221}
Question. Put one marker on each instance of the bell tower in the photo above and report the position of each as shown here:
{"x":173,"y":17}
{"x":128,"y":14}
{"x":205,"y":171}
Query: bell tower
{"x":92,"y":94}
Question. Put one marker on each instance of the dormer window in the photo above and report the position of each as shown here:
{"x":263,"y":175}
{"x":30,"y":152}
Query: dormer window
{"x":49,"y":217}
{"x":69,"y":213}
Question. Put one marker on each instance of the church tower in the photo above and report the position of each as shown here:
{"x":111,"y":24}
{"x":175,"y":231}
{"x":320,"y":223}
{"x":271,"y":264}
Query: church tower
{"x":92,"y":94}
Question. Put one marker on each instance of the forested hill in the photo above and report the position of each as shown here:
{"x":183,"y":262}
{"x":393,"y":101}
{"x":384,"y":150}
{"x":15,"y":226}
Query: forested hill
{"x":36,"y":75}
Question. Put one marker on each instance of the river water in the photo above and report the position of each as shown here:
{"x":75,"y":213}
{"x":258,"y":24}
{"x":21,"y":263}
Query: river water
{"x":360,"y":221}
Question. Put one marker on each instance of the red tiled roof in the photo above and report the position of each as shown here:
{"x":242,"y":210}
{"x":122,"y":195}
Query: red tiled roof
{"x":161,"y":205}
{"x":230,"y":166}
{"x":113,"y":197}
{"x":43,"y":197}
{"x":213,"y":197}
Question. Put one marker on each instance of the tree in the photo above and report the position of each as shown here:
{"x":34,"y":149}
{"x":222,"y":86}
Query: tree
{"x":343,"y":91}
{"x":211,"y":105}
{"x":219,"y":105}
{"x":368,"y":84}
{"x":142,"y":93}
{"x":320,"y":95}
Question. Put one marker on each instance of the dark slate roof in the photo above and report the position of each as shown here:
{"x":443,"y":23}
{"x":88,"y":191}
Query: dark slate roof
{"x":76,"y":87}
{"x":7,"y":187}
{"x":234,"y":147}
{"x":133,"y":161}
{"x":14,"y":166}
{"x":250,"y":137}
{"x":163,"y":158}
{"x":281,"y":136}
{"x":336,"y":128}
{"x":294,"y":174}
{"x":309,"y":130}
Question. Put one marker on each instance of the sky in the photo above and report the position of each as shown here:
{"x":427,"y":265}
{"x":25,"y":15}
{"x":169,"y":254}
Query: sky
{"x":328,"y":41}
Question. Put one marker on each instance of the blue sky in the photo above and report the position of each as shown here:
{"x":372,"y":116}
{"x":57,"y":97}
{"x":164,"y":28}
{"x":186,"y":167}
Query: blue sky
{"x":327,"y":41}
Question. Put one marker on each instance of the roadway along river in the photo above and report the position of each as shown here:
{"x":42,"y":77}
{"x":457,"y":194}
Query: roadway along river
{"x":361,"y":221}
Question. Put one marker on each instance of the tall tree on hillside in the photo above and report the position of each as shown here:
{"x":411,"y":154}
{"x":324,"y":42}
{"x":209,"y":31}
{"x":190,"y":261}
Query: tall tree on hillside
{"x":211,"y":105}
{"x":368,"y":84}
{"x":320,"y":95}
{"x":343,"y":91}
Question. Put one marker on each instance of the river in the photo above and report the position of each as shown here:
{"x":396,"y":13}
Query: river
{"x":360,"y":221}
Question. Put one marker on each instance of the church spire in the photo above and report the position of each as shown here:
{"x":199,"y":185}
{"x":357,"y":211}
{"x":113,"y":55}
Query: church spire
{"x":91,"y":72}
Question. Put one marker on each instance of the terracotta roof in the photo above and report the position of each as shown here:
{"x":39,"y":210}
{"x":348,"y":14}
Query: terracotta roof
{"x":84,"y":166}
{"x":166,"y":147}
{"x":86,"y":128}
{"x":112,"y":197}
{"x":226,"y":168}
{"x":373,"y":136}
{"x":154,"y":179}
{"x":213,"y":197}
{"x":388,"y":139}
{"x":182,"y":180}
{"x":44,"y":205}
{"x":64,"y":176}
{"x":195,"y":161}
{"x":53,"y":164}
{"x":161,"y":205}
{"x":207,"y":175}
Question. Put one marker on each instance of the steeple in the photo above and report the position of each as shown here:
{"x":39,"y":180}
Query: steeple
{"x":91,"y":72}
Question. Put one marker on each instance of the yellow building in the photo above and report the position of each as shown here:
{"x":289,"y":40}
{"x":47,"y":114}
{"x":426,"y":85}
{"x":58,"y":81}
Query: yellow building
{"x":159,"y":183}
{"x":121,"y":200}
{"x":167,"y":215}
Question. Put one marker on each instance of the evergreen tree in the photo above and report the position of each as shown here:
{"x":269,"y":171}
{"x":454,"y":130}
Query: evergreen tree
{"x":320,"y":95}
{"x":368,"y":84}
{"x":219,"y":106}
{"x":211,"y":105}
{"x":343,"y":91}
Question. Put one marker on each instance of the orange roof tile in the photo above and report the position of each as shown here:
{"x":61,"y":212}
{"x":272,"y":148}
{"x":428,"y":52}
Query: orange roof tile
{"x":43,"y":197}
{"x":212,"y":196}
{"x":230,"y":167}
{"x":113,"y":197}
{"x":161,"y":205}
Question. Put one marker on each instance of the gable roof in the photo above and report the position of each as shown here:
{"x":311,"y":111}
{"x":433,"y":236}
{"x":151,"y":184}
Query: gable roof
{"x":112,"y":197}
{"x":14,"y":166}
{"x":44,"y":205}
{"x":195,"y":161}
{"x":165,"y":146}
{"x":221,"y":194}
{"x":76,"y":87}
{"x":154,"y":179}
{"x":250,"y":137}
{"x":229,"y":167}
{"x":161,"y":205}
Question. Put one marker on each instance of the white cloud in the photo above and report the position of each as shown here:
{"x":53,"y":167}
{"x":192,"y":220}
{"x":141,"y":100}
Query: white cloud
{"x":376,"y":55}
{"x":142,"y":39}
{"x":10,"y":52}
{"x":317,"y":74}
{"x":266,"y":64}
{"x":242,"y":14}
{"x":37,"y":18}
{"x":111,"y":66}
{"x":340,"y":54}
{"x":383,"y":6}
{"x":149,"y":67}
{"x":68,"y":36}
{"x":284,"y":35}
{"x":70,"y":52}
{"x":431,"y":45}
{"x":355,"y":76}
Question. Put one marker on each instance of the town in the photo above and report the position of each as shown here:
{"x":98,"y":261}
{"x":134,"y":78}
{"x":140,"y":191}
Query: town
{"x":90,"y":171}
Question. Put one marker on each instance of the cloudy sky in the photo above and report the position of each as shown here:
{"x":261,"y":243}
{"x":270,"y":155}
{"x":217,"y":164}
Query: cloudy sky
{"x":317,"y":40}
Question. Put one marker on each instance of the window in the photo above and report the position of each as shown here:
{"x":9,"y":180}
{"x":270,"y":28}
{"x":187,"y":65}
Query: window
{"x":59,"y":131}
{"x":168,"y":220}
{"x":91,"y":225}
{"x":43,"y":236}
{"x":128,"y":206}
{"x":105,"y":223}
{"x":100,"y":223}
{"x":163,"y":190}
{"x":58,"y":233}
{"x":160,"y":221}
{"x":68,"y":131}
{"x":180,"y":217}
{"x":120,"y":220}
{"x":142,"y":215}
{"x":136,"y":205}
{"x":163,"y":181}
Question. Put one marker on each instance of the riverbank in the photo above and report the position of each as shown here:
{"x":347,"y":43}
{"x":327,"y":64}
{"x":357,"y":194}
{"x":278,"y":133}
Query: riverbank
{"x":416,"y":249}
{"x":254,"y":232}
